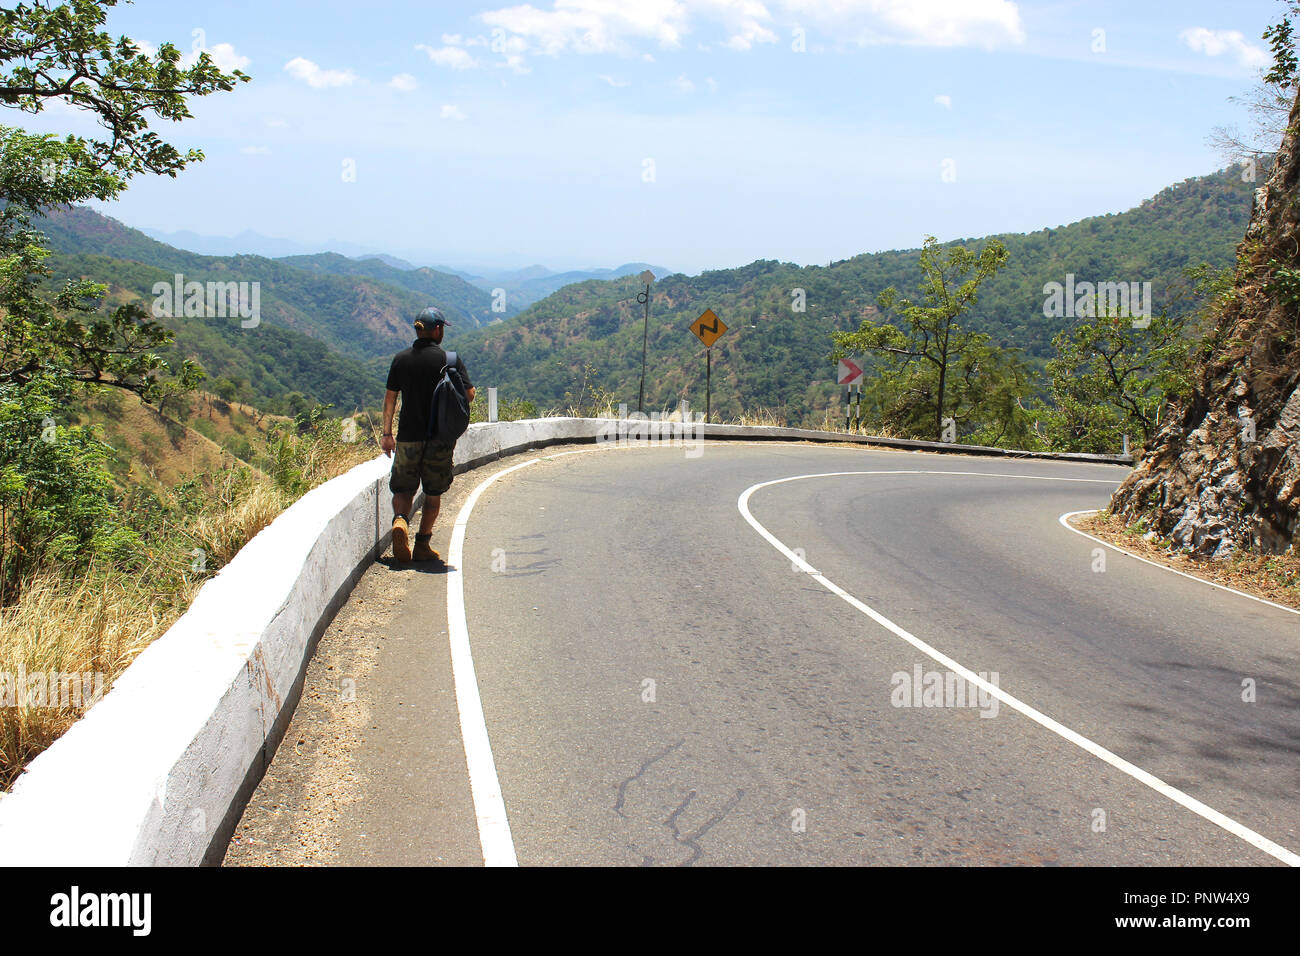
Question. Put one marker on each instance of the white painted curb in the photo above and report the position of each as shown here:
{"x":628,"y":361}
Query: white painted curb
{"x":159,"y":771}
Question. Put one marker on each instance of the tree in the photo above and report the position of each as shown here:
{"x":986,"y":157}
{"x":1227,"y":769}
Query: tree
{"x":54,"y":490}
{"x":225,"y":389}
{"x":1269,"y":102}
{"x":1110,"y":379}
{"x":60,"y":54}
{"x":936,"y":368}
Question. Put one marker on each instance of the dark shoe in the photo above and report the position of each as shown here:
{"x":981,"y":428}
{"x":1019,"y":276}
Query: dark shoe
{"x":422,"y":550}
{"x":401,"y":539}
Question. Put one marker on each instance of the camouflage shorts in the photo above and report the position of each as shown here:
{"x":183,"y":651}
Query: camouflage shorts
{"x":409,"y":469}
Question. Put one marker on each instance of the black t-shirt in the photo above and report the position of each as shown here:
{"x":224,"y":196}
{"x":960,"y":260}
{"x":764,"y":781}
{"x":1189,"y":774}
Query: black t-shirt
{"x":415,"y":373}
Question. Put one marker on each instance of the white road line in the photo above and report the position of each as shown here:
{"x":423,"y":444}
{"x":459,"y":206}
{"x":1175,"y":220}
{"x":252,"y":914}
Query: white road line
{"x":489,"y":805}
{"x":485,"y":786}
{"x":1119,"y":763}
{"x":1064,"y":520}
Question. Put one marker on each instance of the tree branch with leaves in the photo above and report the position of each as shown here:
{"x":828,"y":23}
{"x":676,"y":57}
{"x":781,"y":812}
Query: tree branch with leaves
{"x":926,"y":344}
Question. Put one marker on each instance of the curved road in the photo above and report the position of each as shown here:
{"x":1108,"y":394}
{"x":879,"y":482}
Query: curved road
{"x":663,"y":684}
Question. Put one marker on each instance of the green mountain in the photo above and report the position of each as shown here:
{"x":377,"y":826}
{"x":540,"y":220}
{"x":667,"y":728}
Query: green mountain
{"x":450,"y":293}
{"x":776,"y":357}
{"x":355,"y":312}
{"x":266,"y":363}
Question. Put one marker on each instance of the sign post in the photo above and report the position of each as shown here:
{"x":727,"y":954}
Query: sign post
{"x":646,"y":277}
{"x":708,"y":328}
{"x":849,"y":373}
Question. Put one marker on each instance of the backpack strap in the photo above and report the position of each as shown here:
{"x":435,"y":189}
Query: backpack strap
{"x":433,"y":403}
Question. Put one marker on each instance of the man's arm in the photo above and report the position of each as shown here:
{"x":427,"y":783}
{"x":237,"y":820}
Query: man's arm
{"x":388,"y":442}
{"x":464,"y":377}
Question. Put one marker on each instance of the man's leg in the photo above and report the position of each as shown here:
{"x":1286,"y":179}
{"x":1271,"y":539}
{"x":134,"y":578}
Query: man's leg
{"x":423,"y":550}
{"x":437,"y":479}
{"x":403,"y":482}
{"x":432,"y":504}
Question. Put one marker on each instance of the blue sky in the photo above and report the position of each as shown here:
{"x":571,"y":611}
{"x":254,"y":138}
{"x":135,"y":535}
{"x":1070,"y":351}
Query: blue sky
{"x":694,"y":134}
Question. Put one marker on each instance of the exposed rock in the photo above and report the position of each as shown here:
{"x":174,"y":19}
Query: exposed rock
{"x":1225,"y":472}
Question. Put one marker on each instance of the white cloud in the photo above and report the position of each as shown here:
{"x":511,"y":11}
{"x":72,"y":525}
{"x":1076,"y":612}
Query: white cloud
{"x":276,"y":123}
{"x":746,"y":21}
{"x":403,"y":82}
{"x":1219,"y":42}
{"x":515,"y":61}
{"x":449,"y":56}
{"x":254,"y":150}
{"x":223,"y":55}
{"x":592,"y":26}
{"x":619,"y":26}
{"x":711,"y":83}
{"x":952,"y":23}
{"x":944,"y":100}
{"x":612,"y":81}
{"x":311,"y":74}
{"x":683,"y":85}
{"x":452,"y":112}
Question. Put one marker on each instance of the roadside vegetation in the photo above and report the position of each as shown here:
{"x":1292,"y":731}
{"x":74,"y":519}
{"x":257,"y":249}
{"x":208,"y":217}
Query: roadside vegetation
{"x":94,"y":573}
{"x":1273,"y":577}
{"x":92,"y":566}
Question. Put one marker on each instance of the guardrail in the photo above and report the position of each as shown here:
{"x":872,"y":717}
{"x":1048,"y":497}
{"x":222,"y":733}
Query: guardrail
{"x":159,"y":771}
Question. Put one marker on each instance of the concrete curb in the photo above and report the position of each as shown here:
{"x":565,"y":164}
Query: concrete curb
{"x":159,"y":771}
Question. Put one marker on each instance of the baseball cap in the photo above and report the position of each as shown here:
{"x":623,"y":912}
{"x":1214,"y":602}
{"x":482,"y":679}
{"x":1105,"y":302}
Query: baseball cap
{"x":430,"y":317}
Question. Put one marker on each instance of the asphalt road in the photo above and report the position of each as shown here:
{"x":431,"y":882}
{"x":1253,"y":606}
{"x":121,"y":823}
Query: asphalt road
{"x":662,"y":686}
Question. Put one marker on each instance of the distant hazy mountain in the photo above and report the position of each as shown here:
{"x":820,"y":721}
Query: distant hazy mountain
{"x":249,"y":243}
{"x":523,"y":287}
{"x":393,"y":261}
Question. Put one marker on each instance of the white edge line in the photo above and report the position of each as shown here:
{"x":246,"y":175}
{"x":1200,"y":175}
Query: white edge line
{"x":1064,"y":520}
{"x":494,"y":835}
{"x":489,"y":804}
{"x":1137,"y":773}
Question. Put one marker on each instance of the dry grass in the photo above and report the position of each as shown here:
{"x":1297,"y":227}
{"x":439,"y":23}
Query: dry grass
{"x":220,"y":533}
{"x":762,"y":417}
{"x":1273,"y":577}
{"x":97,"y":622}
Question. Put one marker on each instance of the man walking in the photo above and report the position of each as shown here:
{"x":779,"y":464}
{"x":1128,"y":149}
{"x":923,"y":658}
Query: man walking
{"x":414,"y":374}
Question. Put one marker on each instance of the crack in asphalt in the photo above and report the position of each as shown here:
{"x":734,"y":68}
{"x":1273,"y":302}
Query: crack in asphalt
{"x":622,"y":787}
{"x":692,"y":841}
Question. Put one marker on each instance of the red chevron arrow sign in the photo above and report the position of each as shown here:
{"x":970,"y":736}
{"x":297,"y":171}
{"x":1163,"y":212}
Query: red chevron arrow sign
{"x":850,"y":373}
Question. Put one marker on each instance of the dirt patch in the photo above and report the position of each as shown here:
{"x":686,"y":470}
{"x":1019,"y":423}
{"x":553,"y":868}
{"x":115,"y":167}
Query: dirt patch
{"x":313,"y":765}
{"x":1273,"y":577}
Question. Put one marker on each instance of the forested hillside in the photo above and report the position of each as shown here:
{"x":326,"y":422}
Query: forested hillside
{"x":266,"y":364}
{"x":329,"y":323}
{"x":355,"y":312}
{"x":775,"y":357}
{"x":451,"y":293}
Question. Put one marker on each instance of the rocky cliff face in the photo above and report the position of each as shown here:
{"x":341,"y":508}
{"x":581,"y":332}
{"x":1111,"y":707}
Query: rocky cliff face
{"x":1225,"y":473}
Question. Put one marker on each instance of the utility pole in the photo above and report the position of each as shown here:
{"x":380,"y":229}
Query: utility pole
{"x":644,"y":297}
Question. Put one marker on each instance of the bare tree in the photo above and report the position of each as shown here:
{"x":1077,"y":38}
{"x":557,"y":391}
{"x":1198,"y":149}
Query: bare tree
{"x":1268,"y":103}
